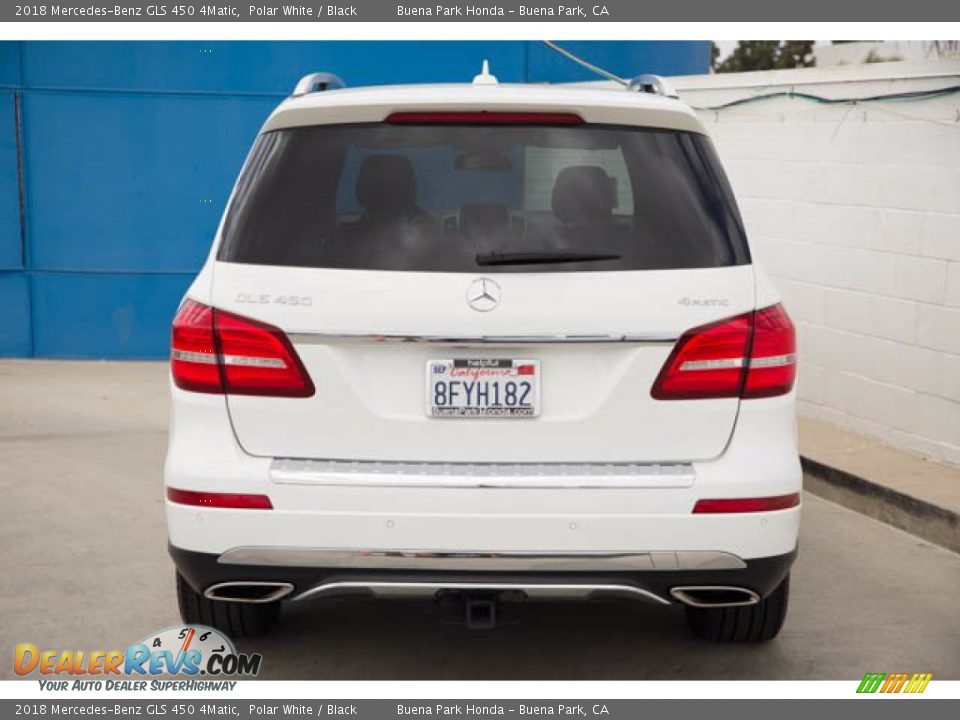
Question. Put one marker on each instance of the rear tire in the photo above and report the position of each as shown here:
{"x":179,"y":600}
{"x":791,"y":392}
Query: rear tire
{"x":752,"y":623}
{"x":237,"y":620}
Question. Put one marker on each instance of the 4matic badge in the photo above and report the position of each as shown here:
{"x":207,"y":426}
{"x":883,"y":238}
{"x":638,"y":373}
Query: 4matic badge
{"x":688,"y":301}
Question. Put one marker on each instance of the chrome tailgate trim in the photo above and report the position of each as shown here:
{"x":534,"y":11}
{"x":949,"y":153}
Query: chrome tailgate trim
{"x":301,"y":338}
{"x":370,"y":473}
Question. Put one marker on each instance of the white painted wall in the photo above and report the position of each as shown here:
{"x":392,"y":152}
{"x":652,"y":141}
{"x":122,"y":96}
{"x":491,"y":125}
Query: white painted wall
{"x":854,"y":53}
{"x":854,"y":210}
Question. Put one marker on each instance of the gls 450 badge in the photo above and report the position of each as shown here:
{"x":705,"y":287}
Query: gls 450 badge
{"x":271,"y":299}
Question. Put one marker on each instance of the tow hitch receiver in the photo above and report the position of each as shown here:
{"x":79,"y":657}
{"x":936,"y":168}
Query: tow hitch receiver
{"x":481,"y":613}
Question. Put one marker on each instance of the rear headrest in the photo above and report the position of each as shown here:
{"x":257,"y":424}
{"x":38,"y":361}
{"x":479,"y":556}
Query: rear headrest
{"x":386,"y":185}
{"x":583,"y":193}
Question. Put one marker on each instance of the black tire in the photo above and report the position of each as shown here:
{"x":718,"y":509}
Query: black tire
{"x":750,"y":624}
{"x":237,"y":620}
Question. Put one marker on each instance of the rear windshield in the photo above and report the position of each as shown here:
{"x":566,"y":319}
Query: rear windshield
{"x":469,"y":198}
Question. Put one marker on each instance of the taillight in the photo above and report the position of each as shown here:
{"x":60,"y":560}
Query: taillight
{"x":750,"y":356}
{"x":773,"y":357}
{"x":258,"y":359}
{"x":215,"y":351}
{"x":193,"y":354}
{"x":706,"y":362}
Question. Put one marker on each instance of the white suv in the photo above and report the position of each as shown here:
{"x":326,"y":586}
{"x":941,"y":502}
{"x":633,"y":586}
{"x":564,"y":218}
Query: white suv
{"x":483,"y":339}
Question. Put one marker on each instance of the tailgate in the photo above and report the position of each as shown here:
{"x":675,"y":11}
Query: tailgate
{"x":367,"y":337}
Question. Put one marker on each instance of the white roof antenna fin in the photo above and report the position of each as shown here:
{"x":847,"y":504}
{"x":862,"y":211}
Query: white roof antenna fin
{"x":485,"y":78}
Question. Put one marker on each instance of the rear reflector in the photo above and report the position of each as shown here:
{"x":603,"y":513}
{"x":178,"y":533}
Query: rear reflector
{"x":483,"y":118}
{"x":214,"y":351}
{"x":233,"y":501}
{"x":747,"y":505}
{"x":750,"y":356}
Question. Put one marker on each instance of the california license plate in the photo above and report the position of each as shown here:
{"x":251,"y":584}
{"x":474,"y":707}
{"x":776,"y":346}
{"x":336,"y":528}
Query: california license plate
{"x":483,"y":388}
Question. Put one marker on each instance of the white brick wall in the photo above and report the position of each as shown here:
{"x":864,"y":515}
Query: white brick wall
{"x":854,"y":210}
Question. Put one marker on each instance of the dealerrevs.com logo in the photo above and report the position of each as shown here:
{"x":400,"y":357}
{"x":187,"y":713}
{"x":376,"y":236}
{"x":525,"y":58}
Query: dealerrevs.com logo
{"x":183,"y":650}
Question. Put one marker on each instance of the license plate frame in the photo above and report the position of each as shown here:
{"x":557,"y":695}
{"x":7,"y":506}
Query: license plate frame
{"x":461,"y":401}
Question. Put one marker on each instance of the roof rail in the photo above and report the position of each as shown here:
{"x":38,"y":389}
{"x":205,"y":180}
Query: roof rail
{"x":653,"y":84}
{"x":317,"y":82}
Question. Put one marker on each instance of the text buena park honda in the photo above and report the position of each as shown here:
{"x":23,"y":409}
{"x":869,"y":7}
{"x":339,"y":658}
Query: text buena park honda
{"x":496,"y":709}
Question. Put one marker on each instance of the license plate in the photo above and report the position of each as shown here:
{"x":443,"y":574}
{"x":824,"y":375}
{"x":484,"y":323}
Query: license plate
{"x":483,"y":388}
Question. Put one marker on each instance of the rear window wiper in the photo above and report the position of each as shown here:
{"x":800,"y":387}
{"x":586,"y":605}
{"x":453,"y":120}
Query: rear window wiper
{"x":543,"y":257}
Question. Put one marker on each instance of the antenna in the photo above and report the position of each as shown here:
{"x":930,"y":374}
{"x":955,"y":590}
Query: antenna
{"x":485,"y":78}
{"x":317,"y":82}
{"x":653,"y":84}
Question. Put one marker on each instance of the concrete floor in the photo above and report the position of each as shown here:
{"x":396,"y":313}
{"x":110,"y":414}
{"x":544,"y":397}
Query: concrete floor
{"x":85,"y":567}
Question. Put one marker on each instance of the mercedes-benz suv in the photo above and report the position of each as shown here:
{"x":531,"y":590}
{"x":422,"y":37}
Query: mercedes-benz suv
{"x":478,"y":339}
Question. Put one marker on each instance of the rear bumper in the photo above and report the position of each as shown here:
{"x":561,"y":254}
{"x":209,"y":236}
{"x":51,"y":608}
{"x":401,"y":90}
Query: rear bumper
{"x":483,"y":520}
{"x":324,"y":507}
{"x":760,"y":575}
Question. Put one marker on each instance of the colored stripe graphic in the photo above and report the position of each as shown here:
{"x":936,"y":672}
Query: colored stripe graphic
{"x":894,"y":682}
{"x":871,"y":682}
{"x":918,"y":683}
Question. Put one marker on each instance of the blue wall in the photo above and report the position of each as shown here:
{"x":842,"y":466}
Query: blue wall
{"x":116,"y":159}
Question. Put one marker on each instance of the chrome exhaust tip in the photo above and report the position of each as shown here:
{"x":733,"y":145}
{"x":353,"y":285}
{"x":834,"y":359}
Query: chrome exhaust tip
{"x":252,"y":591}
{"x":714,"y":596}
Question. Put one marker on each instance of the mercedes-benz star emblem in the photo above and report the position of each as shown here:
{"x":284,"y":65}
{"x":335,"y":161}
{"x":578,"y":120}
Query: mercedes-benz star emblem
{"x":483,"y":295}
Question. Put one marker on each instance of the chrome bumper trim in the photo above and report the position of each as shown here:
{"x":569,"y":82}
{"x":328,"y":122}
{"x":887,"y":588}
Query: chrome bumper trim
{"x":392,"y":588}
{"x":502,"y":475}
{"x":481,"y":561}
{"x":512,"y":339}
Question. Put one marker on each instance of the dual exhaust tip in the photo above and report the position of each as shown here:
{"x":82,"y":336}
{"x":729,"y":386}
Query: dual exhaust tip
{"x":714,"y":596}
{"x":695,"y":596}
{"x":249,"y":591}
